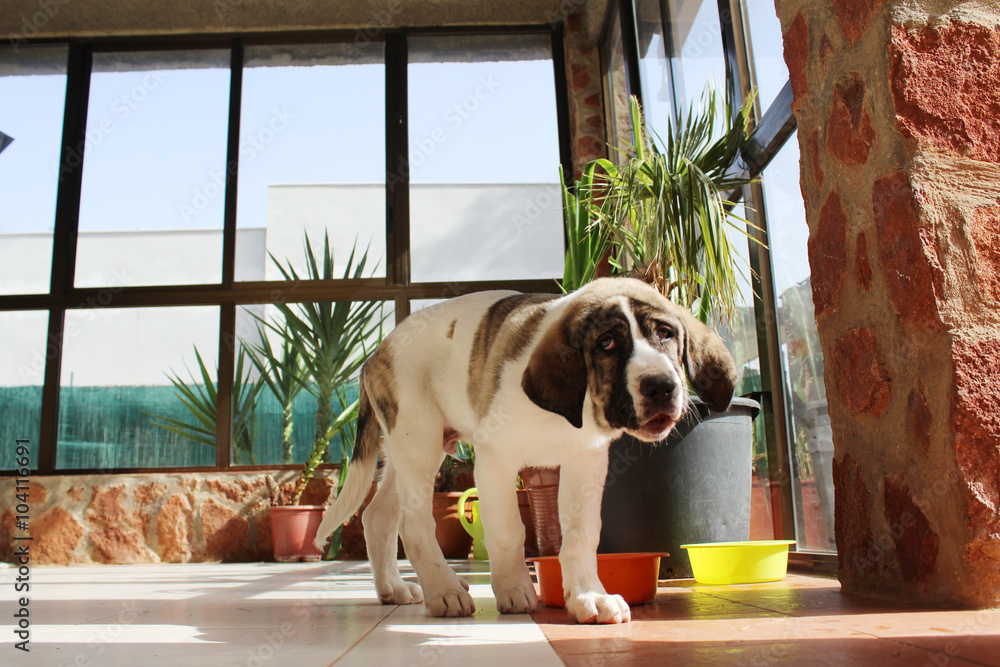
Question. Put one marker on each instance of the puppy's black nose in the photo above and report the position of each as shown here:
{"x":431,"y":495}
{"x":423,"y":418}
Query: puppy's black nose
{"x":657,"y":388}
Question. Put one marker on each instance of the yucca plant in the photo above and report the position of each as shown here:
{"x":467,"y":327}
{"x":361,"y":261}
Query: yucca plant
{"x":586,"y":244}
{"x":282,"y":371}
{"x":202,"y":401}
{"x":333,"y":340}
{"x":665,"y":210}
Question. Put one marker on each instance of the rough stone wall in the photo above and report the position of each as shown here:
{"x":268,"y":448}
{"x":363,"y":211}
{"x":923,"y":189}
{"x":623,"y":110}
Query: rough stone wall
{"x":586,"y":94}
{"x":150,"y":518}
{"x":898,"y":110}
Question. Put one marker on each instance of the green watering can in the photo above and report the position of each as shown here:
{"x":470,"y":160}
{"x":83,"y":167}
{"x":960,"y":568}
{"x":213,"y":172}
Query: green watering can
{"x":474,"y":527}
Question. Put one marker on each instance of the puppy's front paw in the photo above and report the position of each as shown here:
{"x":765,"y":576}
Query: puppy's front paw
{"x":451,"y":602}
{"x":402,"y":592}
{"x":598,"y":608}
{"x":518,"y":598}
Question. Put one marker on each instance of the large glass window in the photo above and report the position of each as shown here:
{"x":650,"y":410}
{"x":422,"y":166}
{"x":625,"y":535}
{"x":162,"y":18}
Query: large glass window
{"x":697,"y":56}
{"x":617,"y":87}
{"x":810,"y":435}
{"x":312,"y":155}
{"x":154,"y":169}
{"x":654,"y":67}
{"x":766,"y":50}
{"x":695,"y":46}
{"x":149,"y":310}
{"x":131,"y":379}
{"x":485,"y":202}
{"x":32,"y":97}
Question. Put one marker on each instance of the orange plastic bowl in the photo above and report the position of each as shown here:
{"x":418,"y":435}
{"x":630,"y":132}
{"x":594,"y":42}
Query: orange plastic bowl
{"x":632,"y":576}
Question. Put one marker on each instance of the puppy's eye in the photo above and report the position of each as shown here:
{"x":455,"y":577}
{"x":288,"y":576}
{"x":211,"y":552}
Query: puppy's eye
{"x":607,"y":343}
{"x":665,"y":334}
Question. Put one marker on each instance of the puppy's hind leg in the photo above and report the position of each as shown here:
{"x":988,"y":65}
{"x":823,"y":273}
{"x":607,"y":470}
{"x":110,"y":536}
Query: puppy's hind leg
{"x":381,"y":523}
{"x":416,"y":461}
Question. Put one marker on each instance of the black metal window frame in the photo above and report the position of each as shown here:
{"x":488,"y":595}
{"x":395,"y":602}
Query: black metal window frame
{"x":772,"y":129}
{"x":397,"y":286}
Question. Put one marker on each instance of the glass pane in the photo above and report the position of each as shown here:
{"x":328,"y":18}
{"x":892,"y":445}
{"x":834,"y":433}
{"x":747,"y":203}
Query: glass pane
{"x":620,"y":124}
{"x":802,"y":358}
{"x":740,"y":336}
{"x":483,"y":159}
{"x":117,"y":405}
{"x":654,"y":68}
{"x":312,"y":155}
{"x":154,"y":169}
{"x":280,"y":424}
{"x":420,"y":304}
{"x":766,"y":50}
{"x":22,"y":372}
{"x":697,"y":49}
{"x":33,"y":94}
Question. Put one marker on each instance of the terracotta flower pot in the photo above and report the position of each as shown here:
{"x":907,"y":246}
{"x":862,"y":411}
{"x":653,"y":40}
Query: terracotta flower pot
{"x":451,"y":536}
{"x":524,"y":507}
{"x":293,"y":531}
{"x":543,"y":496}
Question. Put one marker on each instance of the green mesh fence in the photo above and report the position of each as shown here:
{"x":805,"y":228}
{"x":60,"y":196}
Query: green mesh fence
{"x":20,"y":418}
{"x":114,"y":427}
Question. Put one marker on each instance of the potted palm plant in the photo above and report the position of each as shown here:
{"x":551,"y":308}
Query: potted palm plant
{"x":323,"y":346}
{"x":200,"y":397}
{"x":662,"y":215}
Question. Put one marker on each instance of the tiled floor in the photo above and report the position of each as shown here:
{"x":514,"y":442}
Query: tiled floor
{"x":318,"y":614}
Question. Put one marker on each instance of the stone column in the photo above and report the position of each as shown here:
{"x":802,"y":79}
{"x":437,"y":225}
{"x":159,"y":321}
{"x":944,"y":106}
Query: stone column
{"x":898,"y":110}
{"x":586,"y":97}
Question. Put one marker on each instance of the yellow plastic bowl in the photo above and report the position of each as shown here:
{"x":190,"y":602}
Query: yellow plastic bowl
{"x":739,"y":562}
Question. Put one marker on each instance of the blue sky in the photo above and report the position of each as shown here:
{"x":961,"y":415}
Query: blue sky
{"x":156,"y":147}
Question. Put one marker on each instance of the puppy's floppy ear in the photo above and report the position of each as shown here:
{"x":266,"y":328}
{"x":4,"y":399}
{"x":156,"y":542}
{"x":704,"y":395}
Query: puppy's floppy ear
{"x":556,"y":376}
{"x":710,"y":366}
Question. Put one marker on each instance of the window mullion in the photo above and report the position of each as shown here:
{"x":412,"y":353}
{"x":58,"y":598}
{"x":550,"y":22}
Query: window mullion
{"x":227,"y":313}
{"x":64,"y":242}
{"x":397,"y":181}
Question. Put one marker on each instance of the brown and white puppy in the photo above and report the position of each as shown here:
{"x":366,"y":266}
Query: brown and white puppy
{"x":531,"y":380}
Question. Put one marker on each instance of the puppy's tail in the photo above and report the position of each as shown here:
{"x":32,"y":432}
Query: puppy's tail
{"x":362,"y":471}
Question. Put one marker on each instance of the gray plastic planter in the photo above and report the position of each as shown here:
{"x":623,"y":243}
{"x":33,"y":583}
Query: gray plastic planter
{"x":693,"y":487}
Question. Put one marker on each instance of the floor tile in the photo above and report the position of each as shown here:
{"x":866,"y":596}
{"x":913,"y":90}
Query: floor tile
{"x":327,"y":613}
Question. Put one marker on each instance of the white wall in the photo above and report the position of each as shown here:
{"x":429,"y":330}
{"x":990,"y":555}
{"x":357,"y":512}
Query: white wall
{"x":459,"y":232}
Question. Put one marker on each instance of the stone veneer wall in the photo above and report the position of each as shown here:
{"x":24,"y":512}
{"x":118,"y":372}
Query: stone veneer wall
{"x":898,"y":109}
{"x":151,"y":518}
{"x":586,"y":94}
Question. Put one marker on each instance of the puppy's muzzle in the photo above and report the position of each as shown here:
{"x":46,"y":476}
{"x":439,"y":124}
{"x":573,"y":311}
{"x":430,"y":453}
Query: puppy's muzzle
{"x":661,"y":407}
